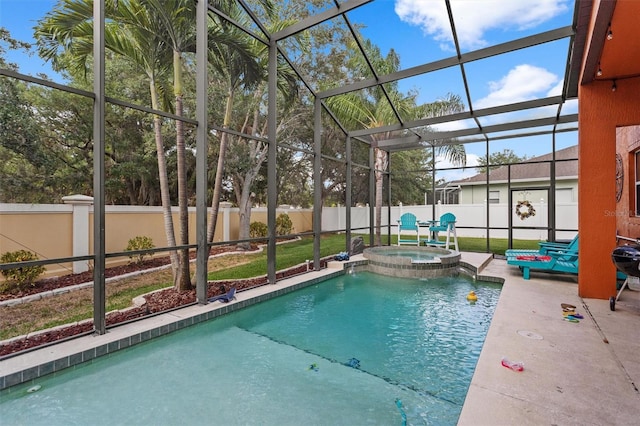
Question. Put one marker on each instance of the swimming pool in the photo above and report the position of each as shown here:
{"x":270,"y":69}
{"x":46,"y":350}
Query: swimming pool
{"x":339,"y":352}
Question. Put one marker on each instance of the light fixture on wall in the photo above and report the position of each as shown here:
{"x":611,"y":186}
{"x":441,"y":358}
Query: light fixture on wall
{"x":613,"y":86}
{"x":609,"y":33}
{"x":599,"y":72}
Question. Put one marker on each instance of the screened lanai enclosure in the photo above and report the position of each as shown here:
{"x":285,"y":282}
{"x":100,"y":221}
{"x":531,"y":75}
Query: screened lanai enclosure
{"x":351,"y":110}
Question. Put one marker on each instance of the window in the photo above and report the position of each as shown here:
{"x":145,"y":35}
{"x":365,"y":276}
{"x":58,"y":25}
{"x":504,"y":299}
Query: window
{"x":564,"y":195}
{"x":637,"y":180}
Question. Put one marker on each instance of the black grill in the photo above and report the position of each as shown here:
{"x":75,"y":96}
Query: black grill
{"x":627,"y":259}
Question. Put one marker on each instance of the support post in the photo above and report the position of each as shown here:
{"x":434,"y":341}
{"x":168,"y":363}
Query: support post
{"x":80,"y":229}
{"x":317,"y":182}
{"x":348,"y":197}
{"x":225,"y":206}
{"x":99,"y":293}
{"x":272,"y":182}
{"x":372,"y":192}
{"x":202,"y":254}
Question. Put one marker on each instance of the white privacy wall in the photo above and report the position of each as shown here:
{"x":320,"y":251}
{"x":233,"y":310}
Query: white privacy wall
{"x":467,"y":216}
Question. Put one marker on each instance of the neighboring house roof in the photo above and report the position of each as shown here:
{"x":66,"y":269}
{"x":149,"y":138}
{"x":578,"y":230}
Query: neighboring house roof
{"x":533,"y":171}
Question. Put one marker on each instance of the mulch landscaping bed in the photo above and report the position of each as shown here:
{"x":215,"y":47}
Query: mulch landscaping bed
{"x":158,"y":301}
{"x":48,"y":284}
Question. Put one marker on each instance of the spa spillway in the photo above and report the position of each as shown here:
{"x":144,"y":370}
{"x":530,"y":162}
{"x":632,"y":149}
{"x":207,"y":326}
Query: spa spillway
{"x":412,"y":262}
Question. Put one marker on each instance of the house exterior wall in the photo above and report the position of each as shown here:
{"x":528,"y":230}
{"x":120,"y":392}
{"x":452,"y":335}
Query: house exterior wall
{"x":477,"y":194}
{"x":627,"y":144}
{"x":601,"y":112}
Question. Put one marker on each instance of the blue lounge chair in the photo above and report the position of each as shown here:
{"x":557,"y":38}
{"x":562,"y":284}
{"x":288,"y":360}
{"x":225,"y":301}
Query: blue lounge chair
{"x":558,"y":246}
{"x":408,"y":222}
{"x":225,"y":298}
{"x":566,"y":262}
{"x":545,"y":248}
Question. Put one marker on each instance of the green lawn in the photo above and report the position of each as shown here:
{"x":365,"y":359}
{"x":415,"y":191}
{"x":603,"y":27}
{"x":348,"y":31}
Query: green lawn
{"x":479,"y":245}
{"x":295,"y":253}
{"x":287,"y":255}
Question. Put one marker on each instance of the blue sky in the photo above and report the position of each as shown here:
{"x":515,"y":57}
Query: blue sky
{"x":419,"y":31}
{"x":19,"y":17}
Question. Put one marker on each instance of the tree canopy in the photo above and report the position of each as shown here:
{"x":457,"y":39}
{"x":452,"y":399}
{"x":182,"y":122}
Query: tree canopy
{"x":497,"y":159}
{"x":150,"y":159}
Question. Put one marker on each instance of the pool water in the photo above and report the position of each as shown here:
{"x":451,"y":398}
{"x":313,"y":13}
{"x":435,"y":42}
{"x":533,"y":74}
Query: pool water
{"x":357,"y":349}
{"x":415,"y":255}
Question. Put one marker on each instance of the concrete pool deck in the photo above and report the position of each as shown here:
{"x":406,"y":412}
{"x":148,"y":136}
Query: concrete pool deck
{"x":584,"y":373}
{"x":571,"y":374}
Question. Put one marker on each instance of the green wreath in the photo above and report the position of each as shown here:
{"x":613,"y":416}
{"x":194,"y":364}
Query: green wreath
{"x":527,"y":212}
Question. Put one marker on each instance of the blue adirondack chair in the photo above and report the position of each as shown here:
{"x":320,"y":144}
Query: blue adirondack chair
{"x":408,"y":223}
{"x":447,"y":223}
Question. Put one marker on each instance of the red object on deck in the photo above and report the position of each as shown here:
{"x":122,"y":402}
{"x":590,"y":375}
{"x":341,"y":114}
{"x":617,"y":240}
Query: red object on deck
{"x":534,"y":258}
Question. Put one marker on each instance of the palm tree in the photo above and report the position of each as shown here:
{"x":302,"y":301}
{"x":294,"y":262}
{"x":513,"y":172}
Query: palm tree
{"x":161,"y":33}
{"x":372,"y":108}
{"x":177,"y":18}
{"x":70,"y":26}
{"x":236,"y":71}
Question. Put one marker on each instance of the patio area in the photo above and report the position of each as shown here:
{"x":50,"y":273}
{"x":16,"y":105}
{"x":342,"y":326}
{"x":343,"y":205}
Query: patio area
{"x":574,"y":373}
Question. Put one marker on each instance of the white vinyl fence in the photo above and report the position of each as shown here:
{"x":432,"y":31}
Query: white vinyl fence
{"x":471,"y":219}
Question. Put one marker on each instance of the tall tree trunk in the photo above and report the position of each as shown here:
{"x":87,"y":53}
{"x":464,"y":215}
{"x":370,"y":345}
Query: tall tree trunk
{"x":184,"y":278}
{"x":244,"y":195}
{"x":380,"y":165}
{"x":217,"y":187}
{"x":244,"y":200}
{"x":164,"y":184}
{"x":242,"y":182}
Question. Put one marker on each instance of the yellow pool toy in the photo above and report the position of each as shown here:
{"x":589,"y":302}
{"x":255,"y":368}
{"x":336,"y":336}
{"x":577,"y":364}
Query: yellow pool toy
{"x":471,"y":297}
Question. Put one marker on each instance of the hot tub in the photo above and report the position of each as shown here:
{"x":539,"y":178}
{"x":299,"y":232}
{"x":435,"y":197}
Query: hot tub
{"x":412,"y":262}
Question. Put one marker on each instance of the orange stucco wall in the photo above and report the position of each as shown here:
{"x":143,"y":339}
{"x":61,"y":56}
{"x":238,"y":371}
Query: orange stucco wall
{"x":601,"y":112}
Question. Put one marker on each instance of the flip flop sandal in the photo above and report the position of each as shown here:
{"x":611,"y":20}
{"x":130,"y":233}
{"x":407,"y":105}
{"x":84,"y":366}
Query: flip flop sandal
{"x":515,"y":366}
{"x":567,"y":306}
{"x":571,"y":319}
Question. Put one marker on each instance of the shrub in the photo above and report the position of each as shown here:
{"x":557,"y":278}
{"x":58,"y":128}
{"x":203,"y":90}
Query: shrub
{"x":139,"y":243}
{"x":284,"y":226}
{"x":25,"y":275}
{"x":258,"y":229}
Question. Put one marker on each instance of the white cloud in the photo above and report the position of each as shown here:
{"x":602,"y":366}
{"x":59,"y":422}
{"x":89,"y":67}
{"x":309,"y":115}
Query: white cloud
{"x":524,"y":82}
{"x":557,"y":89}
{"x":474,"y":18}
{"x":570,"y":107}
